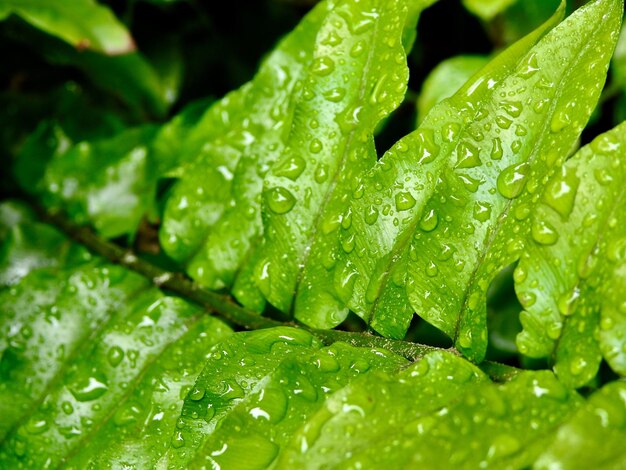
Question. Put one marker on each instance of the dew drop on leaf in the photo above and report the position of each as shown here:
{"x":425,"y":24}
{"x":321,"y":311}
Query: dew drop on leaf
{"x":560,"y":121}
{"x":467,"y":156}
{"x":115,"y":355}
{"x":561,"y":194}
{"x":544,"y":233}
{"x":496,"y":149}
{"x":323,"y":66}
{"x":511,"y":180}
{"x":89,"y":388}
{"x":429,"y":221}
{"x":279,"y":200}
{"x":404,"y":201}
{"x":371,"y":215}
{"x":316,"y":146}
{"x":567,"y":302}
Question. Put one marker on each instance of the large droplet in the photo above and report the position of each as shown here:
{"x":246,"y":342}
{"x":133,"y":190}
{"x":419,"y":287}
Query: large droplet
{"x":279,"y":200}
{"x":404,"y":201}
{"x":115,"y":355}
{"x":496,"y":149}
{"x":512,"y":108}
{"x":429,"y":221}
{"x":560,"y":121}
{"x":511,"y":180}
{"x":335,"y":95}
{"x":561,"y":194}
{"x":292,"y":167}
{"x":371,"y":215}
{"x":544,"y":233}
{"x":322,"y":66}
{"x":427,"y":149}
{"x":482,"y":211}
{"x":467,"y":156}
{"x":89,"y":388}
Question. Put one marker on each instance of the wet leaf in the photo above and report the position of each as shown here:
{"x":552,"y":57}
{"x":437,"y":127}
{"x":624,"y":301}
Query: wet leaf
{"x":82,"y":23}
{"x":571,"y":275}
{"x":451,"y":198}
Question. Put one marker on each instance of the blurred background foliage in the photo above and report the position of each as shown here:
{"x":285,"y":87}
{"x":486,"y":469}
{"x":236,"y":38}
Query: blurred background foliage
{"x":87,"y":79}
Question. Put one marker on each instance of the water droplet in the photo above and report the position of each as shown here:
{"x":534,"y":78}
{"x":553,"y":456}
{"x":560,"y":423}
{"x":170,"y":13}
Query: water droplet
{"x":503,"y":446}
{"x":427,"y":149}
{"x":530,"y":67}
{"x":67,"y":408}
{"x":404,"y":201}
{"x":577,"y":365}
{"x":503,"y":122}
{"x":89,"y":388}
{"x":567,"y":302}
{"x":431,"y":269}
{"x":291,"y":167}
{"x":429,"y":221}
{"x":467,"y":155}
{"x":196,"y":393}
{"x":322,"y":66}
{"x":36,"y":425}
{"x":512,"y":179}
{"x":335,"y":95}
{"x":496,"y":149}
{"x":115,"y":355}
{"x":127,"y":414}
{"x":357,"y":49}
{"x":279,"y":200}
{"x":315,"y":147}
{"x":371,"y":215}
{"x":603,"y":176}
{"x":178,"y":441}
{"x":560,"y":121}
{"x":561,"y":193}
{"x":347,"y":243}
{"x":544,"y":233}
{"x":333,"y":39}
{"x":541,"y":105}
{"x":321,"y":173}
{"x":451,"y":131}
{"x":344,"y":281}
{"x":471,"y":184}
{"x":512,"y":108}
{"x":482,"y":211}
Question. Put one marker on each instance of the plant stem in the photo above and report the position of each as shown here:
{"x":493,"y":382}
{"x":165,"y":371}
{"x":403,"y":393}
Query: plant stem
{"x":220,"y":304}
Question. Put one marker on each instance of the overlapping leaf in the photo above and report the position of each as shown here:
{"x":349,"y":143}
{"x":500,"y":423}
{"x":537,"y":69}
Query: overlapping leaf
{"x":447,"y":208}
{"x":357,"y":77}
{"x":83,"y":23}
{"x":594,"y":436}
{"x":213,"y":214}
{"x":572,"y":275}
{"x":90,"y":354}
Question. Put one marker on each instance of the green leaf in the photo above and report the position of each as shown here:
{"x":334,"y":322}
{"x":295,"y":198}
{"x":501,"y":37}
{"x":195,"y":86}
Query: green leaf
{"x":571,"y":276}
{"x":329,"y":146}
{"x":438,"y":413}
{"x":368,"y":267}
{"x":487,"y":9}
{"x":82,"y":23}
{"x":213,"y":213}
{"x":91,"y":354}
{"x":594,"y":436}
{"x":241,"y":417}
{"x":445,"y":209}
{"x":86,"y":177}
{"x":446,"y":79}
